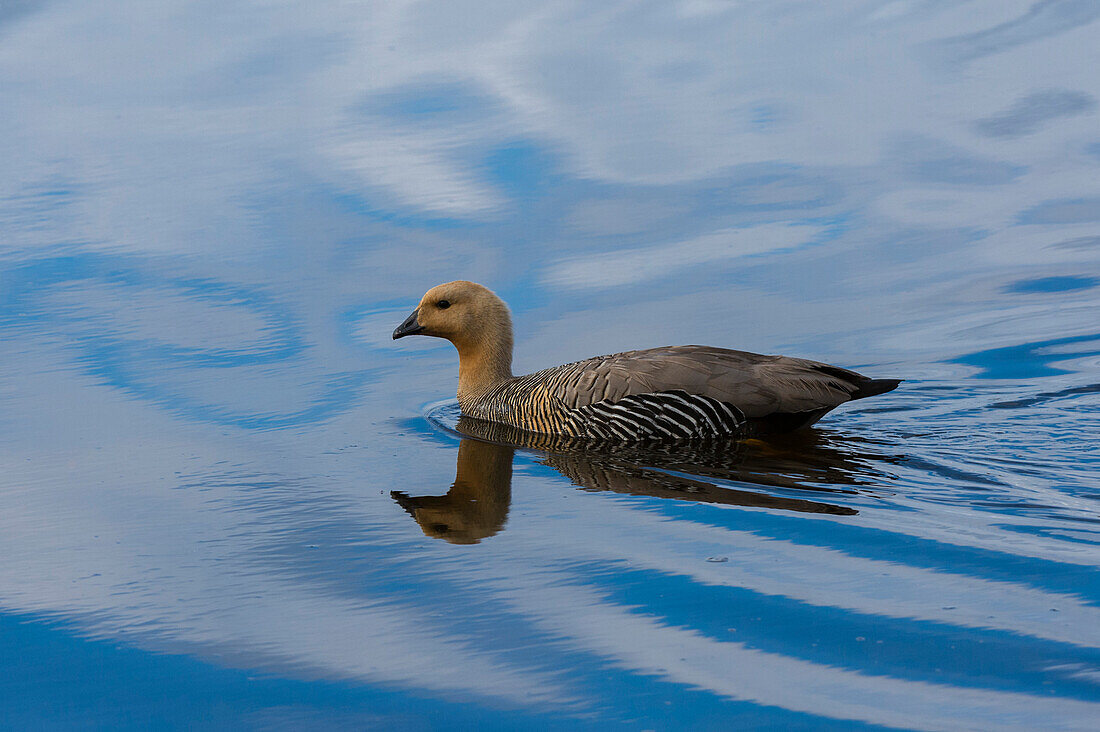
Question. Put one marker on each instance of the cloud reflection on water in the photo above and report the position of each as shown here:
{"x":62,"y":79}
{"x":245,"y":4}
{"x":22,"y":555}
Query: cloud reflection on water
{"x":210,"y":209}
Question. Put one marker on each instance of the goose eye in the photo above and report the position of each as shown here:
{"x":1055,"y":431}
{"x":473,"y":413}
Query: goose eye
{"x":443,"y":304}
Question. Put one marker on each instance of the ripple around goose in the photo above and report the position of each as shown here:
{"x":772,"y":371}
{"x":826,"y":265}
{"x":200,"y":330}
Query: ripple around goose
{"x":655,"y":395}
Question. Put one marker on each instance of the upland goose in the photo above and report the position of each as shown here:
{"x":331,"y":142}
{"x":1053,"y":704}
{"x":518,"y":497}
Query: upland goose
{"x":658,"y":394}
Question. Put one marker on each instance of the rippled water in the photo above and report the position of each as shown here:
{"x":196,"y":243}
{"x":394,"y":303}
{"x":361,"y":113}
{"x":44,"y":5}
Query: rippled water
{"x":229,"y":500}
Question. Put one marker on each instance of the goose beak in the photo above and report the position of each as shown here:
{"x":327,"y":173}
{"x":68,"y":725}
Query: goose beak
{"x":406,"y":502}
{"x":411,"y":326}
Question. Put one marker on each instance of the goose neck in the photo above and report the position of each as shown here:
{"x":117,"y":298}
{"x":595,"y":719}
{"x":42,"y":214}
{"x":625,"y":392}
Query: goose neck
{"x":481,"y":370}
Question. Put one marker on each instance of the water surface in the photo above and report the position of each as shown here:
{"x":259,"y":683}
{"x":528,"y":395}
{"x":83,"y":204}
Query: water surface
{"x":229,"y":500}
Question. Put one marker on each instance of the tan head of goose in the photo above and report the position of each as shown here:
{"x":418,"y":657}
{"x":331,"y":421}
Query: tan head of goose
{"x":669,"y":393}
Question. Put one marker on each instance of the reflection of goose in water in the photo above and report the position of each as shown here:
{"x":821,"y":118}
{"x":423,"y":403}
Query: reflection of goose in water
{"x":477,"y":504}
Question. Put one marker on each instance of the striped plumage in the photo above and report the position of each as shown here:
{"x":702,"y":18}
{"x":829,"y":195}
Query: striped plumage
{"x":590,"y":399}
{"x":660,"y":394}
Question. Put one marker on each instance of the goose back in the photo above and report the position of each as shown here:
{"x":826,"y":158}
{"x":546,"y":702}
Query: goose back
{"x":676,"y":392}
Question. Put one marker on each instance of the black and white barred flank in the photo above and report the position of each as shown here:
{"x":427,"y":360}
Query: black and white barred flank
{"x":654,"y":417}
{"x":665,"y":415}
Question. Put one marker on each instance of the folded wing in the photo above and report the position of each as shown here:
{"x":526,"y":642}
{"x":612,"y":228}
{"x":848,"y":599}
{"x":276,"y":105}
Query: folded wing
{"x":759,"y":386}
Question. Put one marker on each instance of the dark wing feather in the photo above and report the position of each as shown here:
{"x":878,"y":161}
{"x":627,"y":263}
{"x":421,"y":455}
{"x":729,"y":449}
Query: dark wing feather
{"x":758,"y":385}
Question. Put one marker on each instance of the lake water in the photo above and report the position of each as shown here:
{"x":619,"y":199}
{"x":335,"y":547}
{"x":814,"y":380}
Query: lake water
{"x":226,"y":498}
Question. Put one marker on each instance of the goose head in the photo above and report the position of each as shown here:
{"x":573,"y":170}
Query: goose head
{"x":477,"y":322}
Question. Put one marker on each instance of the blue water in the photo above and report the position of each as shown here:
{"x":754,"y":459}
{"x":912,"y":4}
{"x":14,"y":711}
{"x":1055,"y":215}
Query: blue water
{"x":229,"y":500}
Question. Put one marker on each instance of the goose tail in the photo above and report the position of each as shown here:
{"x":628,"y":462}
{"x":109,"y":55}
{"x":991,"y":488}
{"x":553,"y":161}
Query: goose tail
{"x":874,"y":387}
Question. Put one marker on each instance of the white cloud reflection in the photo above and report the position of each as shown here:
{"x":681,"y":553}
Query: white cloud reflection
{"x":191,"y":131}
{"x":637,"y":93}
{"x":631,"y":266}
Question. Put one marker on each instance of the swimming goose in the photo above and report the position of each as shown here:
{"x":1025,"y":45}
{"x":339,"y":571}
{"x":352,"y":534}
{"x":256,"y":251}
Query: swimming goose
{"x":658,"y":394}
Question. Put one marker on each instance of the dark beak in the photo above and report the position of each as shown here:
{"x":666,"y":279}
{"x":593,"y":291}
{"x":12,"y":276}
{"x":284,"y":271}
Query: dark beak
{"x":411,"y":326}
{"x":406,"y":502}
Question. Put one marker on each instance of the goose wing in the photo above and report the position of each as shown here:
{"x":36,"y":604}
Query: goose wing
{"x":756,"y":384}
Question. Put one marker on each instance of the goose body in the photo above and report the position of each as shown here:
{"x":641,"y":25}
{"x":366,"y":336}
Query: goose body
{"x":657,"y":394}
